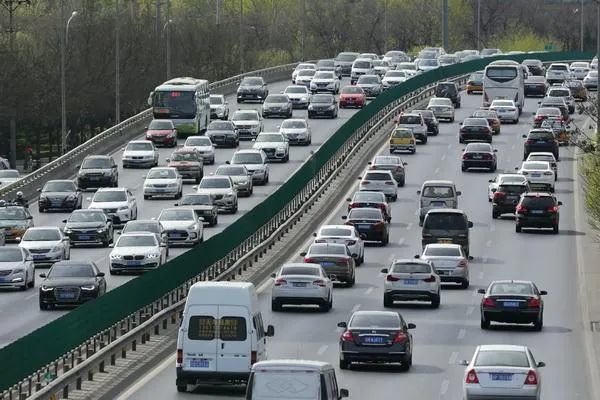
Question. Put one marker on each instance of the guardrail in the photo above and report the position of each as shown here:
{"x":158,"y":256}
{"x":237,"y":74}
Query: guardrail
{"x":27,"y":361}
{"x":112,"y":138}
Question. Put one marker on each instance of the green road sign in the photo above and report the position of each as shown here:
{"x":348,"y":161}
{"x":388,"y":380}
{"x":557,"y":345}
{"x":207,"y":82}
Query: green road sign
{"x":549,"y":47}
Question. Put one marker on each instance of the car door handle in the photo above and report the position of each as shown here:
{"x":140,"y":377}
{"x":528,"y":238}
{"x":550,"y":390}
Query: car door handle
{"x":222,"y":345}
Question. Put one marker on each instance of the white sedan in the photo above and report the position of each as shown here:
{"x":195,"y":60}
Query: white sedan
{"x":539,"y":174}
{"x":47,"y":245}
{"x":344,"y":234}
{"x":503,"y":178}
{"x":302,"y":283}
{"x":204,"y":145}
{"x":163,"y":181}
{"x":16,"y":268}
{"x":140,"y":153}
{"x":137,"y":251}
{"x":182,"y":226}
{"x":506,"y":110}
{"x":118,"y":203}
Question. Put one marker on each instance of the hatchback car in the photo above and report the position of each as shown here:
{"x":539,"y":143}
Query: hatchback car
{"x":163,"y":181}
{"x":479,"y":155}
{"x":204,"y":145}
{"x":299,"y":95}
{"x":539,"y":174}
{"x":252,"y":88}
{"x":507,"y":196}
{"x":475,"y":83}
{"x":203,"y":205}
{"x":380,"y":181}
{"x":277,"y":105}
{"x":71,"y":282}
{"x":376,"y":337}
{"x":296,"y":131}
{"x":137,"y":252}
{"x":535,"y":86}
{"x":564,"y":93}
{"x":223,"y":191}
{"x":89,"y":227}
{"x":411,"y":280}
{"x":46,"y":244}
{"x":274,"y":144}
{"x":366,"y":199}
{"x":188,"y":162}
{"x":540,"y":140}
{"x":118,"y":203}
{"x":370,"y":223}
{"x":97,"y":172}
{"x":335,"y":258}
{"x":16,"y":268}
{"x":299,"y":284}
{"x":59,"y":195}
{"x":450,"y":262}
{"x":140,"y":153}
{"x":162,"y":132}
{"x":219,"y":107}
{"x":544,"y":156}
{"x":223,"y":134}
{"x":343,"y":234}
{"x":352,"y":96}
{"x":537,"y":210}
{"x":442,"y":108}
{"x":183,"y":226}
{"x":370,"y":84}
{"x":415,"y":122}
{"x":255,"y":162}
{"x":506,"y":110}
{"x":475,"y":130}
{"x":394,"y":164}
{"x":323,"y":105}
{"x":403,"y":139}
{"x":450,"y":91}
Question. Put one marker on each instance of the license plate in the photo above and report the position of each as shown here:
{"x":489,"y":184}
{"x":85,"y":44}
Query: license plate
{"x":501,"y":377}
{"x":511,"y":304}
{"x":374,"y":339}
{"x":199,"y":363}
{"x":133,"y":263}
{"x":299,"y":284}
{"x":448,"y":241}
{"x":66,"y":295}
{"x":327,"y":263}
{"x":537,"y":211}
{"x":536,"y":175}
{"x":439,"y":204}
{"x":364,"y":226}
{"x":175,"y":235}
{"x":38,"y":256}
{"x":477,"y":156}
{"x":94,"y":178}
{"x":84,"y":237}
{"x":411,"y":281}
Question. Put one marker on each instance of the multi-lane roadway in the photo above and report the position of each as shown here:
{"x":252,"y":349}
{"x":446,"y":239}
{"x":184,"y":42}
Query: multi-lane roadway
{"x":446,"y":335}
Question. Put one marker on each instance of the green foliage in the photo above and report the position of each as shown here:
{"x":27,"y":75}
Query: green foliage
{"x":591,"y":173}
{"x":522,"y":40}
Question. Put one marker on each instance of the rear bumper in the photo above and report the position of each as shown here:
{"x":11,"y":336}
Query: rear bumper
{"x":359,"y":356}
{"x":404,"y":294}
{"x":516,"y":317}
{"x":478,"y":163}
{"x":536,"y":222}
{"x":300,"y":300}
{"x":193,"y":377}
{"x":479,"y":393}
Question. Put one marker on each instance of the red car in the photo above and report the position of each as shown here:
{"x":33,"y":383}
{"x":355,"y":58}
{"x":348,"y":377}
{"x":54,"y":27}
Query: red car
{"x":162,"y":132}
{"x":352,"y":96}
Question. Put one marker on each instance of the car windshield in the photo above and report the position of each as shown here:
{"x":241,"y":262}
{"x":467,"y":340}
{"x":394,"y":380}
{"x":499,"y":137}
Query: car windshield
{"x":322,"y":99}
{"x":475,"y":122}
{"x":139,"y":146}
{"x":559,"y":93}
{"x":293,"y":125}
{"x":197,"y":141}
{"x":368,"y":79}
{"x":362,"y":64}
{"x":346,"y":57}
{"x":314,"y":271}
{"x":540,"y":135}
{"x":159,"y":125}
{"x":231,"y":170}
{"x":138,"y":226}
{"x":335,"y":232}
{"x":216,"y":100}
{"x":177,"y":215}
{"x":162,"y":173}
{"x":395,"y":74}
{"x":110,"y":196}
{"x":375,"y":320}
{"x":12,"y":213}
{"x":445,"y":221}
{"x":558,"y":67}
{"x":307,"y":72}
{"x":251,"y":81}
{"x":136,"y":241}
{"x":511,"y":178}
{"x":56,"y":186}
{"x":411,"y":268}
{"x":296,"y":89}
{"x":426,"y":114}
{"x":429,"y":62}
{"x":244,"y":116}
{"x":276,"y":99}
{"x":440,"y":102}
{"x":41,"y":235}
{"x":96,"y":163}
{"x":449,"y":251}
{"x":352,"y":90}
{"x":10,"y":254}
{"x":247,"y":158}
{"x":87,"y":216}
{"x":438,"y":191}
{"x":503,"y":103}
{"x":214,"y":183}
{"x":365,"y":213}
{"x":185,"y":156}
{"x":382,"y":160}
{"x":327,"y":249}
{"x":9,"y":173}
{"x":377,"y":176}
{"x":324,"y":75}
{"x":374,"y":197}
{"x":197,"y":199}
{"x":478,"y":147}
{"x":269,"y":137}
{"x":325,"y":63}
{"x":535,"y":165}
{"x":71,"y":271}
{"x":502,"y":358}
{"x":410,"y":119}
{"x":548,"y":111}
{"x":220,"y":126}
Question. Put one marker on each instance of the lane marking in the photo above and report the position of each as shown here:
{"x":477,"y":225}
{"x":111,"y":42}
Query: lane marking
{"x":484,"y":259}
{"x":492,"y":227}
{"x":401,"y":241}
{"x":512,"y":147}
{"x":470,"y":310}
{"x":481,"y":275}
{"x":355,"y":308}
{"x":453,"y":358}
{"x":444,"y":388}
{"x":369,"y":290}
{"x":436,"y":171}
{"x":409,"y":226}
{"x":443,"y":157}
{"x":322,"y":349}
{"x":462,"y":333}
{"x":31,"y":296}
{"x":264,"y":286}
{"x":488,"y":243}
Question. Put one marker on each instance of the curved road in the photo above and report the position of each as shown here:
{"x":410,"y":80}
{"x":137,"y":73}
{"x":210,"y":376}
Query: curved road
{"x":19,"y":311}
{"x":450,"y":333}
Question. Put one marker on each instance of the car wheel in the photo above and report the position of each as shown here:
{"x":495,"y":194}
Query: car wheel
{"x":352,"y":280}
{"x":183,"y":388}
{"x":463,"y":168}
{"x":146,"y":197}
{"x":275,"y":305}
{"x":406,"y":363}
{"x":44,"y":306}
{"x":495,"y":214}
{"x":435,"y":301}
{"x":25,"y":283}
{"x":424,"y":140}
{"x":401,"y":183}
{"x":539,"y":324}
{"x":344,"y":364}
{"x":555,"y":229}
{"x":388,"y":301}
{"x":518,"y":228}
{"x":464,"y":284}
{"x":485,"y":324}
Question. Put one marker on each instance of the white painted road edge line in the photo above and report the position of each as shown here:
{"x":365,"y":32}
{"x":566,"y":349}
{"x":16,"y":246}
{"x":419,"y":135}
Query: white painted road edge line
{"x":168,"y":361}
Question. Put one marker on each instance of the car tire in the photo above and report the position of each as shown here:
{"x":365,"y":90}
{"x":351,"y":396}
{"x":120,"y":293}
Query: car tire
{"x":460,"y":141}
{"x":182,"y":388}
{"x":463,"y":168}
{"x":110,"y":271}
{"x":385,"y":240}
{"x":484,"y":323}
{"x":344,"y":364}
{"x":406,"y":363}
{"x":388,"y":301}
{"x":44,"y":306}
{"x":495,"y":214}
{"x":25,"y":284}
{"x":352,"y":280}
{"x":518,"y":228}
{"x":402,"y":182}
{"x":465,"y":284}
{"x":435,"y":301}
{"x":452,"y":119}
{"x":555,"y":229}
{"x":324,"y":306}
{"x":539,"y":324}
{"x":493,"y":169}
{"x":424,"y":140}
{"x":275,"y":305}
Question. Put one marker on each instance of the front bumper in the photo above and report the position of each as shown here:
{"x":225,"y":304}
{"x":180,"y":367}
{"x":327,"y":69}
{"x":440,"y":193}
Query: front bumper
{"x":85,"y":182}
{"x":138,"y":162}
{"x":183,"y":237}
{"x":321,"y":113}
{"x":89,"y":237}
{"x":68,"y":296}
{"x":134,"y":265}
{"x":407,"y":294}
{"x":351,"y":103}
{"x":166,"y":191}
{"x":45,"y":203}
{"x":13,"y":279}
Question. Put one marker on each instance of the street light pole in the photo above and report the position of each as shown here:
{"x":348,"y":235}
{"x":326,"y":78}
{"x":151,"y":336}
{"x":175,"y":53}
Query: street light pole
{"x":64,"y":42}
{"x":385,"y":25}
{"x":445,"y":24}
{"x":479,"y":24}
{"x":241,"y":36}
{"x":117,"y":67}
{"x":581,"y":29}
{"x":167,"y":29}
{"x":303,"y":27}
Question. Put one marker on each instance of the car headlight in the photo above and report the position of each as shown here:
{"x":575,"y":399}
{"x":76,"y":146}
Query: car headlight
{"x":172,"y":185}
{"x":242,"y":183}
{"x":56,"y":249}
{"x":45,"y":288}
{"x":153,"y":255}
{"x":304,"y":98}
{"x":193,"y":226}
{"x":228,"y":195}
{"x":67,"y":231}
{"x":101,"y":230}
{"x":123,"y":208}
{"x":88,"y":287}
{"x":331,"y":107}
{"x":116,"y":256}
{"x":18,"y":271}
{"x":310,"y":107}
{"x":107,"y":173}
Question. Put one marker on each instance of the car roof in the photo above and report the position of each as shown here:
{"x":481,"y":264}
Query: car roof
{"x":410,"y":261}
{"x":291,"y":364}
{"x":301,"y":264}
{"x":137,"y":234}
{"x":39,"y":228}
{"x":98,"y":156}
{"x":139,"y":141}
{"x":446,"y":211}
{"x":347,"y":227}
{"x":538,"y":194}
{"x":375,"y":312}
{"x":501,"y":347}
{"x":438,"y":182}
{"x":442,"y":245}
{"x":245,"y":151}
{"x":117,"y":189}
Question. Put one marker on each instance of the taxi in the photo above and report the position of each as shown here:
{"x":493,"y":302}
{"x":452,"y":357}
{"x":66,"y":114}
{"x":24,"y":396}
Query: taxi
{"x":403,"y":139}
{"x":475,"y":83}
{"x":15,"y":220}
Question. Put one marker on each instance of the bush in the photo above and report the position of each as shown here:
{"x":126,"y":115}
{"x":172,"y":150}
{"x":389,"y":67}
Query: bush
{"x":590,"y":168}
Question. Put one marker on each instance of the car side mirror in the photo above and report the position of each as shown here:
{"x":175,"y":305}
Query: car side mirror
{"x":38,"y":190}
{"x":418,"y":192}
{"x":417,"y":256}
{"x":464,"y":363}
{"x":470,"y":224}
{"x":168,"y":160}
{"x":100,"y":274}
{"x":64,"y":221}
{"x":481,"y":291}
{"x":560,"y":203}
{"x":495,"y":150}
{"x":363,"y":236}
{"x":30,"y":217}
{"x":384,"y":271}
{"x":270,"y":331}
{"x":354,"y":255}
{"x":111,"y":245}
{"x":458,"y":193}
{"x":273,"y":275}
{"x":470,"y":258}
{"x":315,"y":234}
{"x":43,"y":275}
{"x":405,"y":163}
{"x":344,"y":392}
{"x":543,"y":292}
{"x":227,"y":162}
{"x":369,"y":163}
{"x":411,"y":326}
{"x":524,"y":136}
{"x":163,"y":245}
{"x":541,"y":364}
{"x":303,"y":254}
{"x":342,"y":325}
{"x":516,"y":168}
{"x":490,"y":180}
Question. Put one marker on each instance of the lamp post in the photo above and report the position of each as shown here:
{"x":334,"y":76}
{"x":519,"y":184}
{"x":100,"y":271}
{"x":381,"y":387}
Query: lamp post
{"x":478,"y":24}
{"x":117,"y":67}
{"x":63,"y":82}
{"x":241,"y":33}
{"x":167,"y":29}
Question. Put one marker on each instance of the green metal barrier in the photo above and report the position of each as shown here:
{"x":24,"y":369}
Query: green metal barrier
{"x":41,"y":347}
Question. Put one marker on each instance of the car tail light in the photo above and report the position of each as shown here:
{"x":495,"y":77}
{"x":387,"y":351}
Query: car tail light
{"x":308,"y":260}
{"x":534,"y":303}
{"x":400,"y":337}
{"x":520,"y":208}
{"x":488,"y":302}
{"x":463,"y":130}
{"x":463,"y":264}
{"x":465,"y":156}
{"x":279,"y":281}
{"x":548,"y":173}
{"x":529,"y":141}
{"x":471,"y":377}
{"x":347,"y":336}
{"x":382,"y":206}
{"x":320,"y":241}
{"x":538,"y":118}
{"x":344,"y":262}
{"x":392,"y":278}
{"x":366,"y":182}
{"x":399,"y":168}
{"x":531,"y":378}
{"x":253,"y":357}
{"x":553,"y":209}
{"x":350,"y":242}
{"x":319,"y":282}
{"x":487,"y":156}
{"x":430,"y":279}
{"x":412,"y":141}
{"x":179,"y":356}
{"x":389,"y":183}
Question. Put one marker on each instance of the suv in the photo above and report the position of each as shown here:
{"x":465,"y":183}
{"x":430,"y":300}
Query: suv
{"x":344,"y":61}
{"x":450,"y":91}
{"x":248,"y":123}
{"x":537,"y":210}
{"x":189,"y":163}
{"x":433,"y":126}
{"x":436,"y":194}
{"x":414,"y":121}
{"x":97,"y":172}
{"x":506,"y":197}
{"x":565,"y":93}
{"x":540,"y":140}
{"x":252,"y":88}
{"x":360,"y":66}
{"x":556,"y":102}
{"x":558,"y":73}
{"x":446,"y":225}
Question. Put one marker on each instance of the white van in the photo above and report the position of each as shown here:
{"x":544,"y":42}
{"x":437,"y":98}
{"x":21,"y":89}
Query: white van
{"x":221,"y":334}
{"x":436,"y":194}
{"x":293,"y":380}
{"x":360,"y":66}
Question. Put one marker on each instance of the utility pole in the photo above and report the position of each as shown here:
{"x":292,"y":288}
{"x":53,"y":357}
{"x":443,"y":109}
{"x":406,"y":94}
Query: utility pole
{"x":11,"y":6}
{"x":581,"y":29}
{"x":303,"y":27}
{"x":241,"y":36}
{"x":479,"y":24}
{"x":117,"y":67}
{"x":385,"y":25}
{"x":64,"y":42}
{"x":445,"y":24}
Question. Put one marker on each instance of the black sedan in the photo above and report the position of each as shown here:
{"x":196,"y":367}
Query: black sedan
{"x":540,"y":140}
{"x":369,"y":222}
{"x":223,"y":133}
{"x":59,"y":195}
{"x":365,"y":199}
{"x":376,"y":337}
{"x":475,"y":130}
{"x":70,"y":283}
{"x":479,"y":155}
{"x":506,"y":197}
{"x":323,"y":105}
{"x":89,"y":227}
{"x":516,"y":302}
{"x":536,"y":86}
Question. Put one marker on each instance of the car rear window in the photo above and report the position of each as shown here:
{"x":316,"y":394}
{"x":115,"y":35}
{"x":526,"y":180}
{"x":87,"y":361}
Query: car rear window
{"x":453,"y":251}
{"x":335,"y":232}
{"x":445,"y":221}
{"x":300,"y":271}
{"x":375,"y":197}
{"x":511,"y":288}
{"x":438,"y":191}
{"x":512,"y":189}
{"x":365,"y":213}
{"x":201,"y":327}
{"x":556,"y":67}
{"x":232,"y":329}
{"x":375,"y":321}
{"x":374,"y":176}
{"x":538,"y":202}
{"x":327,"y":249}
{"x":386,"y":160}
{"x":411,"y":268}
{"x":541,"y":135}
{"x":402,"y":133}
{"x":409,"y":119}
{"x":502,"y":358}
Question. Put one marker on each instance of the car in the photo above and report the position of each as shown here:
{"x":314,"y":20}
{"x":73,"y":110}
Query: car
{"x":68,"y":283}
{"x":504,"y":179}
{"x":325,"y":81}
{"x":163,"y":181}
{"x":594,"y":63}
{"x":136,"y":252}
{"x":557,"y":102}
{"x":370,"y":84}
{"x":219,"y":106}
{"x":203,"y":205}
{"x":16,"y":268}
{"x":565,"y":93}
{"x":252,"y":88}
{"x":369,"y":56}
{"x":8,"y":176}
{"x":427,"y":64}
{"x":343,"y":234}
{"x":353,"y":96}
{"x":535,"y":86}
{"x":367,"y":199}
{"x":394,"y":164}
{"x":498,"y":371}
{"x":47,"y":245}
{"x":182,"y":225}
{"x":433,"y":126}
{"x":223,"y":191}
{"x":360,"y":66}
{"x":376,"y":337}
{"x":304,"y":77}
{"x":446,"y":225}
{"x":204,"y":145}
{"x":240,"y":176}
{"x":506,"y":110}
{"x":255,"y":162}
{"x":323,"y":105}
{"x":296,"y":131}
{"x":403,"y":139}
{"x":479,"y":155}
{"x":299,"y":95}
{"x":277,"y":105}
{"x":475,"y":83}
{"x":447,"y":59}
{"x":472,"y":57}
{"x":545,"y":112}
{"x":139,"y":153}
{"x":436,"y":194}
{"x":393,"y":78}
{"x":329,"y":65}
{"x":577,"y":88}
{"x":148,"y":226}
{"x":379,"y":181}
{"x":335,"y":258}
{"x":534,"y":67}
{"x":411,"y":279}
{"x":249,"y":123}
{"x":579,"y":69}
{"x":395,"y":56}
{"x":506,"y":196}
{"x":274,"y":144}
{"x":537,"y":210}
{"x":591,"y":80}
{"x":557,"y":73}
{"x":302,"y":66}
{"x":442,"y":108}
{"x":162,"y":132}
{"x":223,"y":133}
{"x":97,"y":172}
{"x":299,"y":284}
{"x":545,"y":156}
{"x":540,"y":140}
{"x":492,"y":118}
{"x":450,"y":91}
{"x":188,"y":162}
{"x":409,"y":68}
{"x":89,"y":227}
{"x":450,"y":262}
{"x":489,"y":52}
{"x":344,"y":60}
{"x":539,"y":174}
{"x":415,"y":122}
{"x":475,"y":130}
{"x":118,"y":203}
{"x":15,"y":220}
{"x":59,"y":194}
{"x":371,"y":224}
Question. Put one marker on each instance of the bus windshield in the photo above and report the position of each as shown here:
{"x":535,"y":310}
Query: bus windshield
{"x":501,"y":73}
{"x":178,"y":104}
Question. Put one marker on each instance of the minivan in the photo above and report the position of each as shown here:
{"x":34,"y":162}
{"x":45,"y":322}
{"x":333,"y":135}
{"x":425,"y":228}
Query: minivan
{"x":221,"y":334}
{"x":436,"y":194}
{"x":293,"y":380}
{"x":360,"y":66}
{"x":446,"y":225}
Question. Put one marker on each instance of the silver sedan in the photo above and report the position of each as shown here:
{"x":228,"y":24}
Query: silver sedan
{"x":302,"y":283}
{"x":451,"y":263}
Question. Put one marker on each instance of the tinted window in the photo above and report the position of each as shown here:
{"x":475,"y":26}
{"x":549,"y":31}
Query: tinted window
{"x":366,"y":196}
{"x":37,"y":235}
{"x":414,"y":268}
{"x":478,"y":147}
{"x":185,"y":156}
{"x":136,"y":241}
{"x":445,"y":221}
{"x":327,"y":99}
{"x":559,"y":93}
{"x":410,"y":119}
{"x":375,"y":320}
{"x":306,"y":72}
{"x":368,"y":79}
{"x":293,"y":125}
{"x":511,"y":288}
{"x":231,"y":171}
{"x":10,"y":254}
{"x":535,"y":165}
{"x":232,"y":329}
{"x":300,"y":271}
{"x":201,"y":327}
{"x":374,"y":176}
{"x":502,"y":358}
{"x":214,"y":100}
{"x":71,"y":271}
{"x":9,"y":174}
{"x":324,"y":75}
{"x":327,"y":249}
{"x":475,"y":122}
{"x":87,"y":217}
{"x":252,"y":82}
{"x":557,"y":67}
{"x":96,"y":163}
{"x":346,"y":57}
{"x":538,"y":202}
{"x":512,"y":189}
{"x":244,"y":116}
{"x":335,"y":232}
{"x":402,"y":133}
{"x":135,"y":226}
{"x":501,"y":73}
{"x":395,"y":74}
{"x":266,"y":137}
{"x":296,"y":89}
{"x":110,"y":196}
{"x":362,"y":64}
{"x":386,"y":160}
{"x":443,"y":251}
{"x":366,"y":213}
{"x":59,"y":187}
